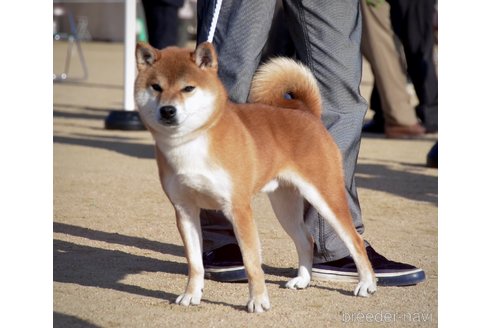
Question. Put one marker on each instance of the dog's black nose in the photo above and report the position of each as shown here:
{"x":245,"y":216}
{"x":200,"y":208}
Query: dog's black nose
{"x":168,"y":112}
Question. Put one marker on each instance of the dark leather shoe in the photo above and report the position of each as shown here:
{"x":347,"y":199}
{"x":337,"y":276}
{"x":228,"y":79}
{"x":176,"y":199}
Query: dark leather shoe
{"x":373,"y":126}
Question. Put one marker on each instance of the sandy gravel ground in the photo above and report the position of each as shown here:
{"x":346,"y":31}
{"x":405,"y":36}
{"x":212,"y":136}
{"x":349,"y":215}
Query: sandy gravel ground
{"x":118,"y":259}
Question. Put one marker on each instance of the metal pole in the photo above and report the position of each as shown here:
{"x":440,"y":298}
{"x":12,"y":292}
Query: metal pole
{"x":128,"y":118}
{"x":130,"y":43}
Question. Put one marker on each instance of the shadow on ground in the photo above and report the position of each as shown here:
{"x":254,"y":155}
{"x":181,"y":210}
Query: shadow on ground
{"x":116,"y":238}
{"x":122,"y":147}
{"x":61,"y":320}
{"x":402,"y":183}
{"x":83,"y":112}
{"x":96,"y":267}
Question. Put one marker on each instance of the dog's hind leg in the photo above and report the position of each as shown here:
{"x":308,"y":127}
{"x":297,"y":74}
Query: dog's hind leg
{"x":188,"y":221}
{"x":249,"y":242}
{"x":288,"y":205}
{"x":332,"y":205}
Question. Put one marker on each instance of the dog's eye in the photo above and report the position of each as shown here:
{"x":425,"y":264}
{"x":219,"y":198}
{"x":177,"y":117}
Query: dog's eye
{"x":156,"y":87}
{"x":188,"y":88}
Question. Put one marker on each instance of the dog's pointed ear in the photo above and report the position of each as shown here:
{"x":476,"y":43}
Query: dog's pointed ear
{"x":146,"y":55}
{"x":205,"y":56}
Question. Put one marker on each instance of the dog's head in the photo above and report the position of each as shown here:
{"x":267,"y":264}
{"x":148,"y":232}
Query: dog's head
{"x":177,"y":91}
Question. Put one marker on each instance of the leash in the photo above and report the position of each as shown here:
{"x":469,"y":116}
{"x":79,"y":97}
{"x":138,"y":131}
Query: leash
{"x":215,"y":18}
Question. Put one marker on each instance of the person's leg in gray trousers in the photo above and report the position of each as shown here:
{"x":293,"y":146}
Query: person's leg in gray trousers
{"x":327,"y":39}
{"x":326,"y":36}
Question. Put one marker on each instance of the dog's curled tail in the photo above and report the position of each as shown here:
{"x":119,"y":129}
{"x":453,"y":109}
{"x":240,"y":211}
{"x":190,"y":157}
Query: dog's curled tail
{"x":283,"y":82}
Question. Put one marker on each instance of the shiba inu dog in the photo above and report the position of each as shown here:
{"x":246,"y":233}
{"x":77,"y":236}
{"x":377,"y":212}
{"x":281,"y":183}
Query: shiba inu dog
{"x":215,"y":154}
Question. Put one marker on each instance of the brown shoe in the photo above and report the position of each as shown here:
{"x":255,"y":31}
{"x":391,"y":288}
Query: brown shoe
{"x":404,"y":131}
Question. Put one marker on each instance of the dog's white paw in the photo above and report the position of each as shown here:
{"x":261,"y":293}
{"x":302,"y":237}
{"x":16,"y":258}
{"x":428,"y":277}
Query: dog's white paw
{"x":187,"y":299}
{"x":298,"y":282}
{"x":365,"y":288}
{"x":259,"y":304}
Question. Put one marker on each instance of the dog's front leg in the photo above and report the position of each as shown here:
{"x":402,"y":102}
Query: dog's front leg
{"x":188,"y":221}
{"x":249,"y":242}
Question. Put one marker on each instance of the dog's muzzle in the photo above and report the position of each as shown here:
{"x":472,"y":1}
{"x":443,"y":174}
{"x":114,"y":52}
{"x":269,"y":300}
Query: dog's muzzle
{"x":168,"y":114}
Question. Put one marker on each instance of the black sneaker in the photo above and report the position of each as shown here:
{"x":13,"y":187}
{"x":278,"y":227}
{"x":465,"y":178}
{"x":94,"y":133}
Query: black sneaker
{"x":388,"y":273}
{"x":225,"y":264}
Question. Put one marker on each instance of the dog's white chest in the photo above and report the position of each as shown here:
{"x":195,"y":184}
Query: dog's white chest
{"x":196,"y":177}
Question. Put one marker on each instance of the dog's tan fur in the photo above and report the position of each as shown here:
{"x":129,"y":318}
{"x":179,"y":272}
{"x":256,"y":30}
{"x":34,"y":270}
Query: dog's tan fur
{"x":219,"y":154}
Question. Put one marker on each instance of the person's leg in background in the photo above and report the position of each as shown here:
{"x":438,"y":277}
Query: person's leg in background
{"x":379,"y":47}
{"x":376,"y":124}
{"x":413,"y":23}
{"x":161,"y":17}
